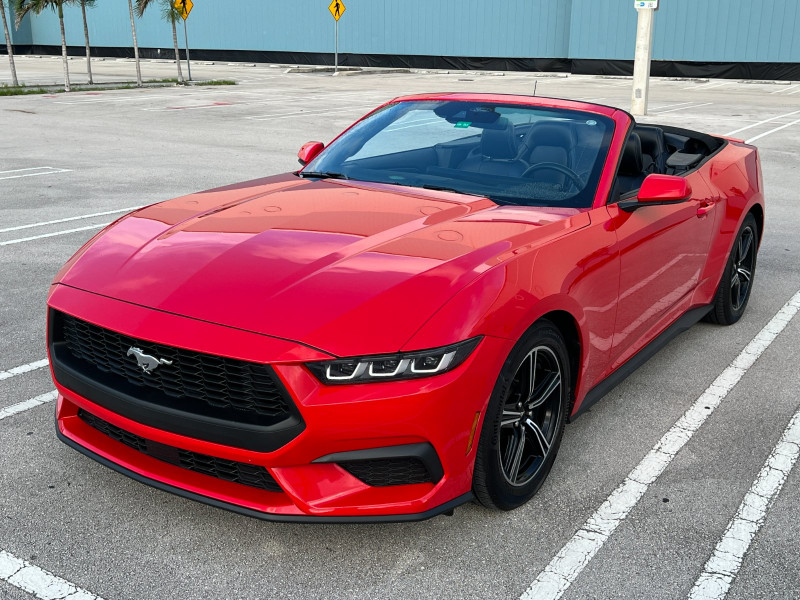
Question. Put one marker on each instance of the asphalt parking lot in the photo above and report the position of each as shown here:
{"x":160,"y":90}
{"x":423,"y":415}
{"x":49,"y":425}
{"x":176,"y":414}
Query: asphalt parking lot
{"x":70,"y":163}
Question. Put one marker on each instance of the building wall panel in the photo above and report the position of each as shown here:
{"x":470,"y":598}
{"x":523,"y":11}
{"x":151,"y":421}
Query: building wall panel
{"x":685,"y":30}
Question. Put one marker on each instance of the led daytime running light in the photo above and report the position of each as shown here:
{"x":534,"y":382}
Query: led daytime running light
{"x":410,"y":365}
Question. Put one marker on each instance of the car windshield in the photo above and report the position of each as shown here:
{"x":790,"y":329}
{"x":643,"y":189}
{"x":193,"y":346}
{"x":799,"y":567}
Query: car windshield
{"x":513,"y":154}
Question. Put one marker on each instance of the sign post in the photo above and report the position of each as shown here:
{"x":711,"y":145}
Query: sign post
{"x":184,"y":7}
{"x":336,"y":9}
{"x":643,"y":56}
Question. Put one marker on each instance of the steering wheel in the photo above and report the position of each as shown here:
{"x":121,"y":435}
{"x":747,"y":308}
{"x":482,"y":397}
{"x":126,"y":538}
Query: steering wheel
{"x":569,"y":173}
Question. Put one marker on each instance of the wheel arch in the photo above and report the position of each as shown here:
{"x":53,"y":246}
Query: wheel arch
{"x":758,"y":213}
{"x":567,"y":325}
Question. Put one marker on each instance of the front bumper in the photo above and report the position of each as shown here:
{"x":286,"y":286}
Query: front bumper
{"x":442,"y":413}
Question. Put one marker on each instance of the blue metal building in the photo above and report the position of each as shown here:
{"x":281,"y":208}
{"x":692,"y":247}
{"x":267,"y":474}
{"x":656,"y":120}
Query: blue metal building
{"x":756,"y":38}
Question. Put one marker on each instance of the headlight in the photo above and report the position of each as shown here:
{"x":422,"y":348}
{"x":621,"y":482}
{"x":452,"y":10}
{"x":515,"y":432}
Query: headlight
{"x":392,"y":367}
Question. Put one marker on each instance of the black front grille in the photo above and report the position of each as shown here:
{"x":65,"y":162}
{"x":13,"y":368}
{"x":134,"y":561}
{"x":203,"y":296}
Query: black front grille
{"x":383,"y":472}
{"x":229,"y":470}
{"x":215,"y":386}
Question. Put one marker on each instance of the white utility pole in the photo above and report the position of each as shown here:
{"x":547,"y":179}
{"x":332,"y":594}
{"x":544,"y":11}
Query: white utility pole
{"x":644,"y":52}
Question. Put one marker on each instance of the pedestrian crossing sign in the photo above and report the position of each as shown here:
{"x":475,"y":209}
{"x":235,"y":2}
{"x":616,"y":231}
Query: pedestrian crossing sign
{"x":184,"y":7}
{"x":337,"y":9}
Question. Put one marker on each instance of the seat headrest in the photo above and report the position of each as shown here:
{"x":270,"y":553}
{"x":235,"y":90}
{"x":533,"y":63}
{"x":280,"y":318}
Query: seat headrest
{"x":632,"y":156}
{"x":499,"y":142}
{"x":652,"y":138}
{"x":552,"y":134}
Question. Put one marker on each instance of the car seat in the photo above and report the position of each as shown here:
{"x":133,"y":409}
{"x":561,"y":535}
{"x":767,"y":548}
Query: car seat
{"x":631,"y":172}
{"x":497,"y":154}
{"x":654,"y":149}
{"x":550,"y":142}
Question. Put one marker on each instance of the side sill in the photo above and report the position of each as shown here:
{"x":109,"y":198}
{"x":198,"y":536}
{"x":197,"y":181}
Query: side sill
{"x":447,"y":507}
{"x":637,"y":360}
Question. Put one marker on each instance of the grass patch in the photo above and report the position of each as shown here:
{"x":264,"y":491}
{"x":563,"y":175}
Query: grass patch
{"x":21,"y":90}
{"x":10,"y":90}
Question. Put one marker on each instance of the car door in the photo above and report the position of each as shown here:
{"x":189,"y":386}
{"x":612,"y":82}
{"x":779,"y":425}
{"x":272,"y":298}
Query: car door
{"x":662,"y":249}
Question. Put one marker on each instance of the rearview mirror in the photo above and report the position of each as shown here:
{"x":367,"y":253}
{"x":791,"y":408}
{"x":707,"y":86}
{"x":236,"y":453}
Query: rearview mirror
{"x":309,"y":151}
{"x":659,"y":189}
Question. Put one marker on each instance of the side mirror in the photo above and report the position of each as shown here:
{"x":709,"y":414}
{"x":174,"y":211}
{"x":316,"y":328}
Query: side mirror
{"x":659,"y":189}
{"x":309,"y":151}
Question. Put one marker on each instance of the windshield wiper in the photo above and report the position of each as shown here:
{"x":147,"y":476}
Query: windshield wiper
{"x":322,"y":175}
{"x":444,"y":188}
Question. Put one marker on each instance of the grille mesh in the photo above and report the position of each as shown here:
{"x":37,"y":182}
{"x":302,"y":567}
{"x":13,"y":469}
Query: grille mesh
{"x":384,"y":472}
{"x":221,"y":383}
{"x":236,"y":472}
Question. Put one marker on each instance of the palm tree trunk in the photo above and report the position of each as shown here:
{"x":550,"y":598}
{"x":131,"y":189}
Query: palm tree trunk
{"x":135,"y":46}
{"x":14,"y":81}
{"x":177,"y":52}
{"x":63,"y":46}
{"x":88,"y":48}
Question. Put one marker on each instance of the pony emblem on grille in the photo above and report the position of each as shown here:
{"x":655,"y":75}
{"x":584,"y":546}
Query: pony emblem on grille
{"x":147,"y":362}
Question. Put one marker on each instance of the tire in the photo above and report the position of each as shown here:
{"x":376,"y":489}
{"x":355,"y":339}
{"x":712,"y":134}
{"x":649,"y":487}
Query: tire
{"x":522,"y":429}
{"x":736,"y":284}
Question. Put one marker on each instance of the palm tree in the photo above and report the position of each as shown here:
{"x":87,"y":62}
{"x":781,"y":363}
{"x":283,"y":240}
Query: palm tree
{"x":171,"y":14}
{"x":135,"y":46}
{"x":23,"y":7}
{"x":14,"y":81}
{"x":84,"y":4}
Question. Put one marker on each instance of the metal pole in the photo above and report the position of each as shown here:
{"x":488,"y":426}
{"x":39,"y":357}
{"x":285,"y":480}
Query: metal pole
{"x":641,"y":61}
{"x":186,"y":37}
{"x":336,"y":53}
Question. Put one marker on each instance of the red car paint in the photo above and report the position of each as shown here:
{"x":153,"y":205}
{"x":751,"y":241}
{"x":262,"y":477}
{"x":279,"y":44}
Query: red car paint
{"x":266,"y":272}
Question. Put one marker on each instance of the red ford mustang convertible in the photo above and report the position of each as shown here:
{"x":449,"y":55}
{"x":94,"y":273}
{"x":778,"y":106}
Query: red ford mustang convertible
{"x":408,"y":322}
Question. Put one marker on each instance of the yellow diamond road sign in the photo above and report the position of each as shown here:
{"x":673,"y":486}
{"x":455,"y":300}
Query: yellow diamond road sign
{"x":184,"y":7}
{"x":337,"y":9}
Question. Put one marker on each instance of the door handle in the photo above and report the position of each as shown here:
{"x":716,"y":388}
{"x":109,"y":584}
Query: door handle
{"x":705,"y":208}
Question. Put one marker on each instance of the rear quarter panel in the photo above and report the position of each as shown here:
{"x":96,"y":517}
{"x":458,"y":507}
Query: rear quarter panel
{"x":734,"y":176}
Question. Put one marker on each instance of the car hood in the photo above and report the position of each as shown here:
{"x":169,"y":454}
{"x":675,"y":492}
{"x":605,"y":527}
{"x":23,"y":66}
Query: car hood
{"x":347,"y":267}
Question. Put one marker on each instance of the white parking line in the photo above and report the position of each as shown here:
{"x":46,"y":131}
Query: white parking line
{"x":764,"y":122}
{"x":27,"y":404}
{"x":106,"y":100}
{"x":663,"y":112}
{"x":38,"y":582}
{"x":565,"y":567}
{"x":43,"y":223}
{"x":710,"y":85}
{"x":419,"y":123}
{"x":786,"y":89}
{"x":657,"y":108}
{"x":44,"y":171}
{"x":23,"y":369}
{"x":771,"y":131}
{"x":723,"y":566}
{"x":20,"y":170}
{"x":354,"y":107}
{"x":276,"y":102}
{"x":47,"y":235}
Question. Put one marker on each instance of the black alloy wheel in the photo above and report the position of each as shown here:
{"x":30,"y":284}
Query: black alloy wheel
{"x":530,"y":414}
{"x":736,"y":285}
{"x":524,"y":421}
{"x":742,"y":268}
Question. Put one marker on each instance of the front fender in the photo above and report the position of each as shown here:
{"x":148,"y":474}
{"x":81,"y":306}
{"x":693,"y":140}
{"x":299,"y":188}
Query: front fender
{"x":577,"y":274}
